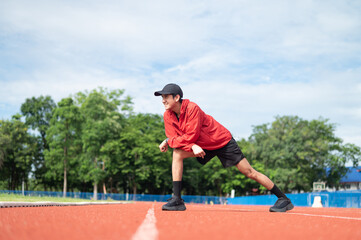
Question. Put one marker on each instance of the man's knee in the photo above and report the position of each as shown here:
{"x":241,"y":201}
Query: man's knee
{"x":179,"y":154}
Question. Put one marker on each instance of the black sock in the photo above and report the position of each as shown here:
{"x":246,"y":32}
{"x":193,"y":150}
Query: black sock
{"x":177,"y":187}
{"x":276,"y":191}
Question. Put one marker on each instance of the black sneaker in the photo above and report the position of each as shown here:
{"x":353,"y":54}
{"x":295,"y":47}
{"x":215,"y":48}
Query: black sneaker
{"x":282,"y":205}
{"x":174,"y":204}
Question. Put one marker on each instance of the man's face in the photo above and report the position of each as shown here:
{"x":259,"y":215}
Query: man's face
{"x":169,"y":101}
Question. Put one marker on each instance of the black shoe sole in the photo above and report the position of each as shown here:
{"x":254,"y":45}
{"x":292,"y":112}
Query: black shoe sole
{"x":287,"y":208}
{"x":174,"y":208}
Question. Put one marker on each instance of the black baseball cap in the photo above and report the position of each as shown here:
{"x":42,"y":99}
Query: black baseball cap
{"x":170,"y":88}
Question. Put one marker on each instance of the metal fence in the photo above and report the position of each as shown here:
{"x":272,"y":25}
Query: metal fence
{"x":345,"y":199}
{"x":120,"y":197}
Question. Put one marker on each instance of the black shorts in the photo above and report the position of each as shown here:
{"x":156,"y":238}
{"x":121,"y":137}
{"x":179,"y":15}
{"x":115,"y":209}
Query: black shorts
{"x":229,"y":155}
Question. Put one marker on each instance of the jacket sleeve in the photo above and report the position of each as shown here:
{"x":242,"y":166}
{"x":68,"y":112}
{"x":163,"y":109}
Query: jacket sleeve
{"x":192,"y":131}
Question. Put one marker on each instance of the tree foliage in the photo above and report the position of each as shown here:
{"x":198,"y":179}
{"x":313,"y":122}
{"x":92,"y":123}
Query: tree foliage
{"x":103,"y":124}
{"x":296,"y":152}
{"x":94,"y":139}
{"x":38,"y":112}
{"x":17,"y":151}
{"x":64,"y":137}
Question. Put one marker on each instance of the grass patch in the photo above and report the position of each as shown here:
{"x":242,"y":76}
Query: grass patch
{"x":4,"y":197}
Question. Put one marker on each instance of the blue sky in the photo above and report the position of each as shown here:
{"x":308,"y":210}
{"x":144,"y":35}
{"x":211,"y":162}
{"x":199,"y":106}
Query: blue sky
{"x":243,"y":62}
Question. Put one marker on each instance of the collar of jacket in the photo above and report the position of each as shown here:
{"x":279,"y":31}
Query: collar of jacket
{"x":184,"y":106}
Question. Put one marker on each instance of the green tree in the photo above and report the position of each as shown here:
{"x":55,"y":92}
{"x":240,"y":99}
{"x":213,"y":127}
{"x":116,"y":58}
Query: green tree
{"x":17,"y":152}
{"x":297,"y":152}
{"x":38,"y":112}
{"x":103,"y":123}
{"x":64,"y":138}
{"x":145,"y":167}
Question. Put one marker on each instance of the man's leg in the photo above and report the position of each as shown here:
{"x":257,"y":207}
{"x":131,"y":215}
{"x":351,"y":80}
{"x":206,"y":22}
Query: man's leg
{"x":245,"y":168}
{"x":176,"y":203}
{"x":283,"y":203}
{"x":177,"y":164}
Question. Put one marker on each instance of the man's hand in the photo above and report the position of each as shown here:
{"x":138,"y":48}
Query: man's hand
{"x":198,"y":151}
{"x":163,"y":147}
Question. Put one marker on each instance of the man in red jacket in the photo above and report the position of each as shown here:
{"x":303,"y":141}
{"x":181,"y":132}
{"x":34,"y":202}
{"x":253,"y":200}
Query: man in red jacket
{"x":192,"y":133}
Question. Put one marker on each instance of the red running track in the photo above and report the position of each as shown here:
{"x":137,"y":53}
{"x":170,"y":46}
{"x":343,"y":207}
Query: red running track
{"x":146,"y":220}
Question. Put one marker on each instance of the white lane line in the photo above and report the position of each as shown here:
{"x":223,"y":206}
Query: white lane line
{"x":302,"y":214}
{"x":325,"y":216}
{"x":48,"y":204}
{"x":147,"y":230}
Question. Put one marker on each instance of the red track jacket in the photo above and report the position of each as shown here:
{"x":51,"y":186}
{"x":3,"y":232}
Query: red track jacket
{"x":194,"y":127}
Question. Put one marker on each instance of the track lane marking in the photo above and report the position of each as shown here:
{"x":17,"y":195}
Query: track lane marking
{"x":325,"y":216}
{"x":147,"y":230}
{"x":51,"y":204}
{"x":302,"y":214}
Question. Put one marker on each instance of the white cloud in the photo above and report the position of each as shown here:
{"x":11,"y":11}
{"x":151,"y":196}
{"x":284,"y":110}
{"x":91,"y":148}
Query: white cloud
{"x":244,"y":62}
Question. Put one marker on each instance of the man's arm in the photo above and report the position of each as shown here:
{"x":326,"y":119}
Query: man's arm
{"x":197,"y":150}
{"x":193,"y":129}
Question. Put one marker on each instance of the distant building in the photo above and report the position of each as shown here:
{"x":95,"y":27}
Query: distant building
{"x":351,"y":181}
